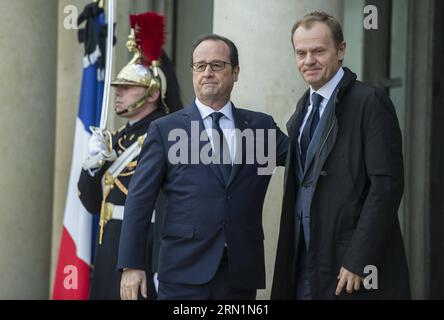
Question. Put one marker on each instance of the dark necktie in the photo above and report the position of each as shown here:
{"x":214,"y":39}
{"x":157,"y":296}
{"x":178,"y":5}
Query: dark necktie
{"x":223,"y":154}
{"x":310,"y":126}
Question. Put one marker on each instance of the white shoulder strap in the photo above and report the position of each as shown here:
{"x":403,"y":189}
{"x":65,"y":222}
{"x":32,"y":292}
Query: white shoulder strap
{"x":123,"y":160}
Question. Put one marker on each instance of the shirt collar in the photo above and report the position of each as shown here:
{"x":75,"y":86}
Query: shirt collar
{"x":205,"y":111}
{"x":149,"y":117}
{"x":327,"y":89}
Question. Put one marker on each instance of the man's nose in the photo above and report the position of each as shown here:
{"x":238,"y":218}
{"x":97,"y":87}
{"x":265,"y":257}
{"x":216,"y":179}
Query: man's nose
{"x":309,"y":59}
{"x":208,"y":71}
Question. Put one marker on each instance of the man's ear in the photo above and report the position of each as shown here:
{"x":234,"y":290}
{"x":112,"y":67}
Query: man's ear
{"x":341,"y":51}
{"x":236,"y":71}
{"x":154,"y":96}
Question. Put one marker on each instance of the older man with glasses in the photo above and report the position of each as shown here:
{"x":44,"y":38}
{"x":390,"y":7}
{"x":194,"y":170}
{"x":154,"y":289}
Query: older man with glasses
{"x":211,"y":235}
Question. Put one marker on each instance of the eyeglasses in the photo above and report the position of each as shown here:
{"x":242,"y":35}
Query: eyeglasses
{"x":214,"y":65}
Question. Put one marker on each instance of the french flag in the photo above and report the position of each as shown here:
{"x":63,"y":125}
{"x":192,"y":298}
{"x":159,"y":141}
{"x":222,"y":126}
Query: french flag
{"x":77,"y":244}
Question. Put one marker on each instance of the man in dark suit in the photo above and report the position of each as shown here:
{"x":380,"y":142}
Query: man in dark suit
{"x":211,"y":233}
{"x":343,"y":180}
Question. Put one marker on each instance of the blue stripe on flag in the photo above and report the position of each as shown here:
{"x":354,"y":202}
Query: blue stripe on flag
{"x":90,"y":108}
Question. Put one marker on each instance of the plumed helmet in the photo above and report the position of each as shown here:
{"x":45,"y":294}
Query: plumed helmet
{"x":146,"y":41}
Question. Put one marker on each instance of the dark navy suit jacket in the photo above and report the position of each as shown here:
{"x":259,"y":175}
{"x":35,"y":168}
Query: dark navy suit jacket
{"x":201,"y":214}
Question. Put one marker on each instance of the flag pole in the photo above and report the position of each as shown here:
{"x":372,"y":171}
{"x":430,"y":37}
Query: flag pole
{"x":108,"y":64}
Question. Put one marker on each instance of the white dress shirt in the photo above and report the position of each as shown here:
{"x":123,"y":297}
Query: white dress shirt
{"x":325,"y":91}
{"x":226,"y":123}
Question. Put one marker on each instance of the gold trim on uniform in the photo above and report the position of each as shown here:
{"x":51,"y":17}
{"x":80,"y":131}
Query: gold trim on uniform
{"x":109,"y":180}
{"x":119,"y":142}
{"x":132,"y":164}
{"x":121,"y":186}
{"x":140,"y":140}
{"x":126,"y":174}
{"x":108,"y":214}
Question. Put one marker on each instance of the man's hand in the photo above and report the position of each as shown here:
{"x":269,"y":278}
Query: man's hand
{"x":132,"y":280}
{"x":349,"y":280}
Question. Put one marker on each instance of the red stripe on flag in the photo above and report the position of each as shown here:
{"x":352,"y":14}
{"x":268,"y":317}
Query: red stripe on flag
{"x":72,"y":275}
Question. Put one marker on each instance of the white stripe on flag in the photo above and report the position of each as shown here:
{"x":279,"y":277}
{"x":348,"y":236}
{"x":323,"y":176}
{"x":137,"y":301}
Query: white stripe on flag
{"x":92,"y":58}
{"x":77,"y":220}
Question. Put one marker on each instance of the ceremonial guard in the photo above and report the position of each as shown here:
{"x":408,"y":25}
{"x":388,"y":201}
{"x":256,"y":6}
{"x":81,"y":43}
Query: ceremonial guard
{"x":145,"y":89}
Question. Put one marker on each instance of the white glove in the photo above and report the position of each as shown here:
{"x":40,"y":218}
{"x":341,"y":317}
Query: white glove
{"x":96,"y":145}
{"x":97,"y":154}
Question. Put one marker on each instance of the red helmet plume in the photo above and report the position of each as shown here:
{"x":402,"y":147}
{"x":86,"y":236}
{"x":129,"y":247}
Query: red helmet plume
{"x":150,"y":34}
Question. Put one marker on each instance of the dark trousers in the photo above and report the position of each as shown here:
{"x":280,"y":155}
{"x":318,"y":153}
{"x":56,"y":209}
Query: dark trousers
{"x":303,"y":291}
{"x":218,"y":288}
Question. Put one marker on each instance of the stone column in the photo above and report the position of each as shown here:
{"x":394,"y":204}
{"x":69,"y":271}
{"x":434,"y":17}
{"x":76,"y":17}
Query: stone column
{"x":28,"y":90}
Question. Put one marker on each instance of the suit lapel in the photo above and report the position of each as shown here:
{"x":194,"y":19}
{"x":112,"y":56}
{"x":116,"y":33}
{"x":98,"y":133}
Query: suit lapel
{"x":328,"y":139}
{"x":293,"y":125}
{"x":192,"y":115}
{"x":321,"y":132}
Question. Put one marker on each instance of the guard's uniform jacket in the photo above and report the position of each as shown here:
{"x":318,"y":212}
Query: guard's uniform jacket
{"x":105,"y":281}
